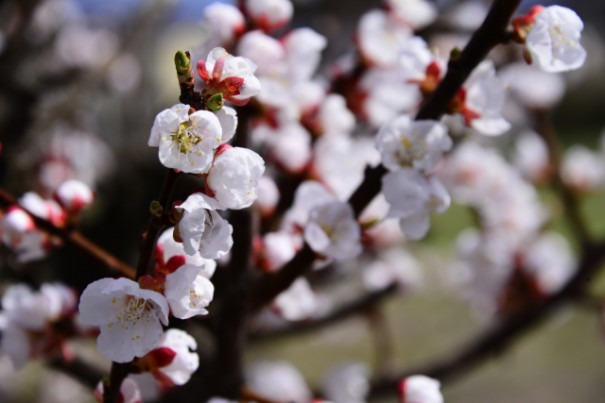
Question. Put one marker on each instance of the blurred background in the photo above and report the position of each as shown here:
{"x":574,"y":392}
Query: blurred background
{"x":80,"y":84}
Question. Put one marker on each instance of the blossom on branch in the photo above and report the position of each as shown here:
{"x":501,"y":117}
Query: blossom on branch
{"x":420,"y":389}
{"x":553,"y":41}
{"x":202,"y":229}
{"x":186,"y":142}
{"x":130,"y":318}
{"x":188,"y":291}
{"x":231,"y":76}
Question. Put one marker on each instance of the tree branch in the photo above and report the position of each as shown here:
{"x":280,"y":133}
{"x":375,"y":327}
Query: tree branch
{"x":72,"y":237}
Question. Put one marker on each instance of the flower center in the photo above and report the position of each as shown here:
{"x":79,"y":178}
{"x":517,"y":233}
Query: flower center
{"x":133,"y":311}
{"x":186,"y":136}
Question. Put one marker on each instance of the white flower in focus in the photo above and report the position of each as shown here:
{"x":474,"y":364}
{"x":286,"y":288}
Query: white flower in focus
{"x":234,"y":177}
{"x":186,"y":142}
{"x":278,"y":381}
{"x":130,"y":318}
{"x":202,"y":229}
{"x":347,"y":383}
{"x":229,"y":75}
{"x":185,"y":362}
{"x":129,"y":392}
{"x":417,"y":13}
{"x":269,"y":15}
{"x":420,"y":389}
{"x":227,"y":117}
{"x":333,"y":231}
{"x":407,"y":143}
{"x":74,"y":195}
{"x":485,"y":95}
{"x":412,"y":198}
{"x":169,"y":252}
{"x":188,"y":291}
{"x":554,"y":40}
{"x":297,"y":302}
{"x":223,"y":21}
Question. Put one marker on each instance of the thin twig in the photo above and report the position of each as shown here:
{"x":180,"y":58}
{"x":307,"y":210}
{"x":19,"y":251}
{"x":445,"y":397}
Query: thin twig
{"x":72,"y":237}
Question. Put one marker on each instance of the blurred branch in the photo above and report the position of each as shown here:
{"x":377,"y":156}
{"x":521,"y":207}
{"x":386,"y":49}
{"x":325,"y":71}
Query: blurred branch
{"x":503,"y":334}
{"x":72,"y":237}
{"x":492,"y":32}
{"x":341,"y":313}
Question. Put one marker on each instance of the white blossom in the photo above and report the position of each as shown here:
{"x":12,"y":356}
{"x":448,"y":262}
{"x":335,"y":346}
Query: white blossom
{"x":417,"y":13}
{"x":202,"y":229}
{"x":277,"y":380}
{"x":554,"y":40}
{"x":265,"y":51}
{"x":333,"y":231}
{"x":223,"y":21}
{"x":269,"y":14}
{"x":278,"y":249}
{"x":550,"y":260}
{"x":412,"y":198}
{"x":420,"y":389}
{"x":533,"y":87}
{"x":303,"y":52}
{"x":334,"y":116}
{"x":380,"y":39}
{"x":227,"y":117}
{"x":130,"y":318}
{"x":297,"y":302}
{"x":185,"y":362}
{"x":232,"y":76}
{"x":268,"y":195}
{"x":234,"y":176}
{"x":167,"y":248}
{"x":32,"y":310}
{"x":129,"y":392}
{"x":407,"y":143}
{"x":583,"y":169}
{"x":188,"y":291}
{"x":186,"y":142}
{"x":74,"y":195}
{"x":485,"y":97}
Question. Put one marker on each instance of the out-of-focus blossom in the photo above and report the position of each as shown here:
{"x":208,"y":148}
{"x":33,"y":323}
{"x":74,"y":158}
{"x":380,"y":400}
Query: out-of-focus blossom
{"x":583,"y":169}
{"x":223,"y":21}
{"x":129,"y":392}
{"x":268,"y":195}
{"x":269,"y":15}
{"x":297,"y":302}
{"x":74,"y":195}
{"x":381,"y":39}
{"x":185,"y":361}
{"x":420,"y":389}
{"x":533,"y":87}
{"x":394,"y":266}
{"x":412,"y":198}
{"x":417,"y":13}
{"x":407,"y":143}
{"x":277,"y":380}
{"x":553,"y":42}
{"x":333,"y":231}
{"x":531,"y":158}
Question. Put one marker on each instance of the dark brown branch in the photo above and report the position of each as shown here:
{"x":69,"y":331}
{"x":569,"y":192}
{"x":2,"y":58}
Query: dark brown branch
{"x":503,"y":334}
{"x":156,"y":223}
{"x":73,"y":238}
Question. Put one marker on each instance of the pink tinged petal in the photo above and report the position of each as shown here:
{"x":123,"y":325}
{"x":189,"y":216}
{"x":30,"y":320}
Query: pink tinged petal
{"x":217,"y":72}
{"x":186,"y":360}
{"x":202,"y":71}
